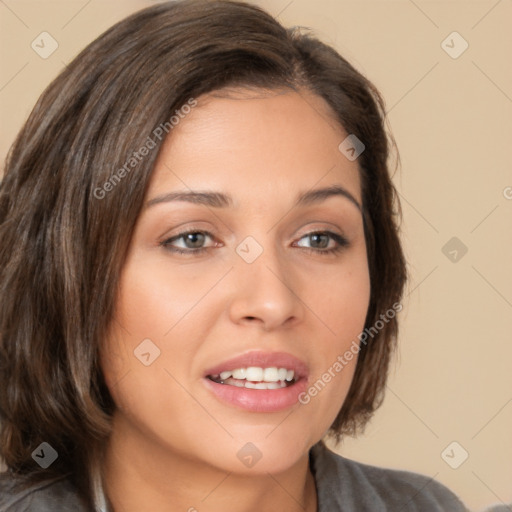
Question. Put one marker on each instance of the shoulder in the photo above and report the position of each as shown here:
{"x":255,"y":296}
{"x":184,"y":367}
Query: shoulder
{"x":361,"y":487}
{"x":54,"y":496}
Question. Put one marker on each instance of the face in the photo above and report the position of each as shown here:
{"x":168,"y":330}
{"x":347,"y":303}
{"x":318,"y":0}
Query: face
{"x":245,"y":279}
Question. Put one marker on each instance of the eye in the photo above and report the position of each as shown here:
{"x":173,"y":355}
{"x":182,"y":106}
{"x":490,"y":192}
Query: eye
{"x":192,"y":242}
{"x":321,"y":242}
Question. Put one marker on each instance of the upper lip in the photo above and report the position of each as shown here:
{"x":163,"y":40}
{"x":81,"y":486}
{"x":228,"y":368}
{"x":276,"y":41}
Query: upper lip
{"x":262,"y":360}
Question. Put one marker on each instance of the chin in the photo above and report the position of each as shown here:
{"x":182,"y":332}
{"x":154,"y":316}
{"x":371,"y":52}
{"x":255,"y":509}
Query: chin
{"x":256,"y":452}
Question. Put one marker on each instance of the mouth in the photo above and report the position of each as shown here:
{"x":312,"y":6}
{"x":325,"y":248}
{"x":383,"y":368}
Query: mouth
{"x":256,"y":377}
{"x":258,"y":381}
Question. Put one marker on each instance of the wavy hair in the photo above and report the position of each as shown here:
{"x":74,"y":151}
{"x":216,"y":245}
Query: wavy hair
{"x":62,"y":247}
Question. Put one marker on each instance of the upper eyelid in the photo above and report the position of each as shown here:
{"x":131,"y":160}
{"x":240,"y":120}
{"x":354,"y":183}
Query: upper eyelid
{"x":189,"y":231}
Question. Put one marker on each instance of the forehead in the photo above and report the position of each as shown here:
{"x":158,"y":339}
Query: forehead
{"x":252,"y":141}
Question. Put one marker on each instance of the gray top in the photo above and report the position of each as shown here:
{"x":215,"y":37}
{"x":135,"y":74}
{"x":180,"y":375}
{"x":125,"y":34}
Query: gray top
{"x":342,"y":485}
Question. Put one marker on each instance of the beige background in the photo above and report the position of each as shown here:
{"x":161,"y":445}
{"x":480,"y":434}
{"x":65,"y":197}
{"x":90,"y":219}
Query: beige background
{"x":452,"y":119}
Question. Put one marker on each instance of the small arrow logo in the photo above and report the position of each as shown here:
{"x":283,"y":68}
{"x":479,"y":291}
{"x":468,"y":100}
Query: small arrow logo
{"x":454,"y":45}
{"x":44,"y":45}
{"x":454,"y":455}
{"x":351,"y":147}
{"x":249,"y":455}
{"x":45,"y":455}
{"x":147,"y":352}
{"x":249,"y":249}
{"x":454,"y":249}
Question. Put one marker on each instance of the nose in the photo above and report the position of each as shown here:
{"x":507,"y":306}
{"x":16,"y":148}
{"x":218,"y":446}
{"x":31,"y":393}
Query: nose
{"x":265,"y":292}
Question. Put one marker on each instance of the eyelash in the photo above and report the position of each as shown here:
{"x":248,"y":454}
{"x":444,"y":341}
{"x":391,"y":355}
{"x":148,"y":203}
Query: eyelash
{"x":340,"y":240}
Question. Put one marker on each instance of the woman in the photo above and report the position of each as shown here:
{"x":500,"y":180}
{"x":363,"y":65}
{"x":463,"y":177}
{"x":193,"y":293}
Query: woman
{"x":200,"y":275}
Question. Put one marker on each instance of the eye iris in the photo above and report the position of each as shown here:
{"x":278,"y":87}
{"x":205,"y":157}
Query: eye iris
{"x":320,"y":240}
{"x":194,"y":240}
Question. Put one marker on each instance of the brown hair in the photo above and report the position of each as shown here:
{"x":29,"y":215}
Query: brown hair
{"x":63,"y":247}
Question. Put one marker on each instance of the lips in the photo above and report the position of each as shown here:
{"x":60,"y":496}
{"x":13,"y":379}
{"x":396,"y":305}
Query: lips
{"x":258,"y":381}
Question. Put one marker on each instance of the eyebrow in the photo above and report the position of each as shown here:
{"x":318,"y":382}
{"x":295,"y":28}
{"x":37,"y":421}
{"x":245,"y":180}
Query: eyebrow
{"x":220,"y":200}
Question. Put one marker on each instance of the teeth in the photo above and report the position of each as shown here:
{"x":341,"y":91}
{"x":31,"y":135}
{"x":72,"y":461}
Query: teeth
{"x":254,"y":374}
{"x":270,"y":378}
{"x":239,"y":374}
{"x":263,"y":385}
{"x":271,"y":375}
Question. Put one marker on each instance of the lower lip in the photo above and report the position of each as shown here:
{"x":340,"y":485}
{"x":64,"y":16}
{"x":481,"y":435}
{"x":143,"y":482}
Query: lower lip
{"x":258,"y":400}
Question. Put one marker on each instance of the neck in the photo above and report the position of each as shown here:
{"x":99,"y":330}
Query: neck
{"x":141,"y":475}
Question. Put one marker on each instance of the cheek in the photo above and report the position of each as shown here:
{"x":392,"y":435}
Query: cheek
{"x":348,"y":312}
{"x":341,"y":304}
{"x":341,"y":298}
{"x":155,"y":296}
{"x":155,"y":332}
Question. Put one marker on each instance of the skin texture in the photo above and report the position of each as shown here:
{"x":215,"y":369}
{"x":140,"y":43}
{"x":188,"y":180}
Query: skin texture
{"x":174,"y":444}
